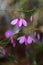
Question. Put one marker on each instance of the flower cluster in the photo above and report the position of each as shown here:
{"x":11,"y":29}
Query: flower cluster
{"x":19,"y":22}
{"x":26,"y":40}
{"x":22,"y":39}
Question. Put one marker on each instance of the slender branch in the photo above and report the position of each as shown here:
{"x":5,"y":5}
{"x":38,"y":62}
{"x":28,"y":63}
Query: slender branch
{"x":17,"y":10}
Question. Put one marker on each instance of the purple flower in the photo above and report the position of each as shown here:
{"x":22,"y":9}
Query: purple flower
{"x":38,"y":36}
{"x":13,"y":41}
{"x":30,"y":39}
{"x":8,"y":33}
{"x":19,"y":22}
{"x":21,"y":39}
{"x":35,"y":34}
{"x":26,"y":40}
{"x":31,"y":18}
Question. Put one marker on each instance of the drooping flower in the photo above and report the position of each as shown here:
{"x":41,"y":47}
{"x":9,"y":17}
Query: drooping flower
{"x":31,"y":18}
{"x":21,"y":39}
{"x":8,"y":33}
{"x":35,"y":34}
{"x":19,"y":22}
{"x":30,"y":39}
{"x":38,"y":36}
{"x":26,"y":40}
{"x":13,"y":41}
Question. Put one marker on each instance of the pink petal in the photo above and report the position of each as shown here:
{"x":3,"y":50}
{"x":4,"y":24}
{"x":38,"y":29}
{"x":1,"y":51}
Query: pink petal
{"x":12,"y":40}
{"x":17,"y":25}
{"x":34,"y":33}
{"x":38,"y":36}
{"x":24,"y":22}
{"x":21,"y":39}
{"x":20,"y":22}
{"x":13,"y":22}
{"x":31,"y":18}
{"x":29,"y":40}
{"x":18,"y":38}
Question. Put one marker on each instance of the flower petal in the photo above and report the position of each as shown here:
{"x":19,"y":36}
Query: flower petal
{"x":29,"y":40}
{"x":21,"y":39}
{"x":13,"y":22}
{"x":17,"y":25}
{"x":18,"y":38}
{"x":24,"y":22}
{"x":20,"y":22}
{"x":12,"y":40}
{"x":38,"y":36}
{"x":35,"y":34}
{"x":31,"y":18}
